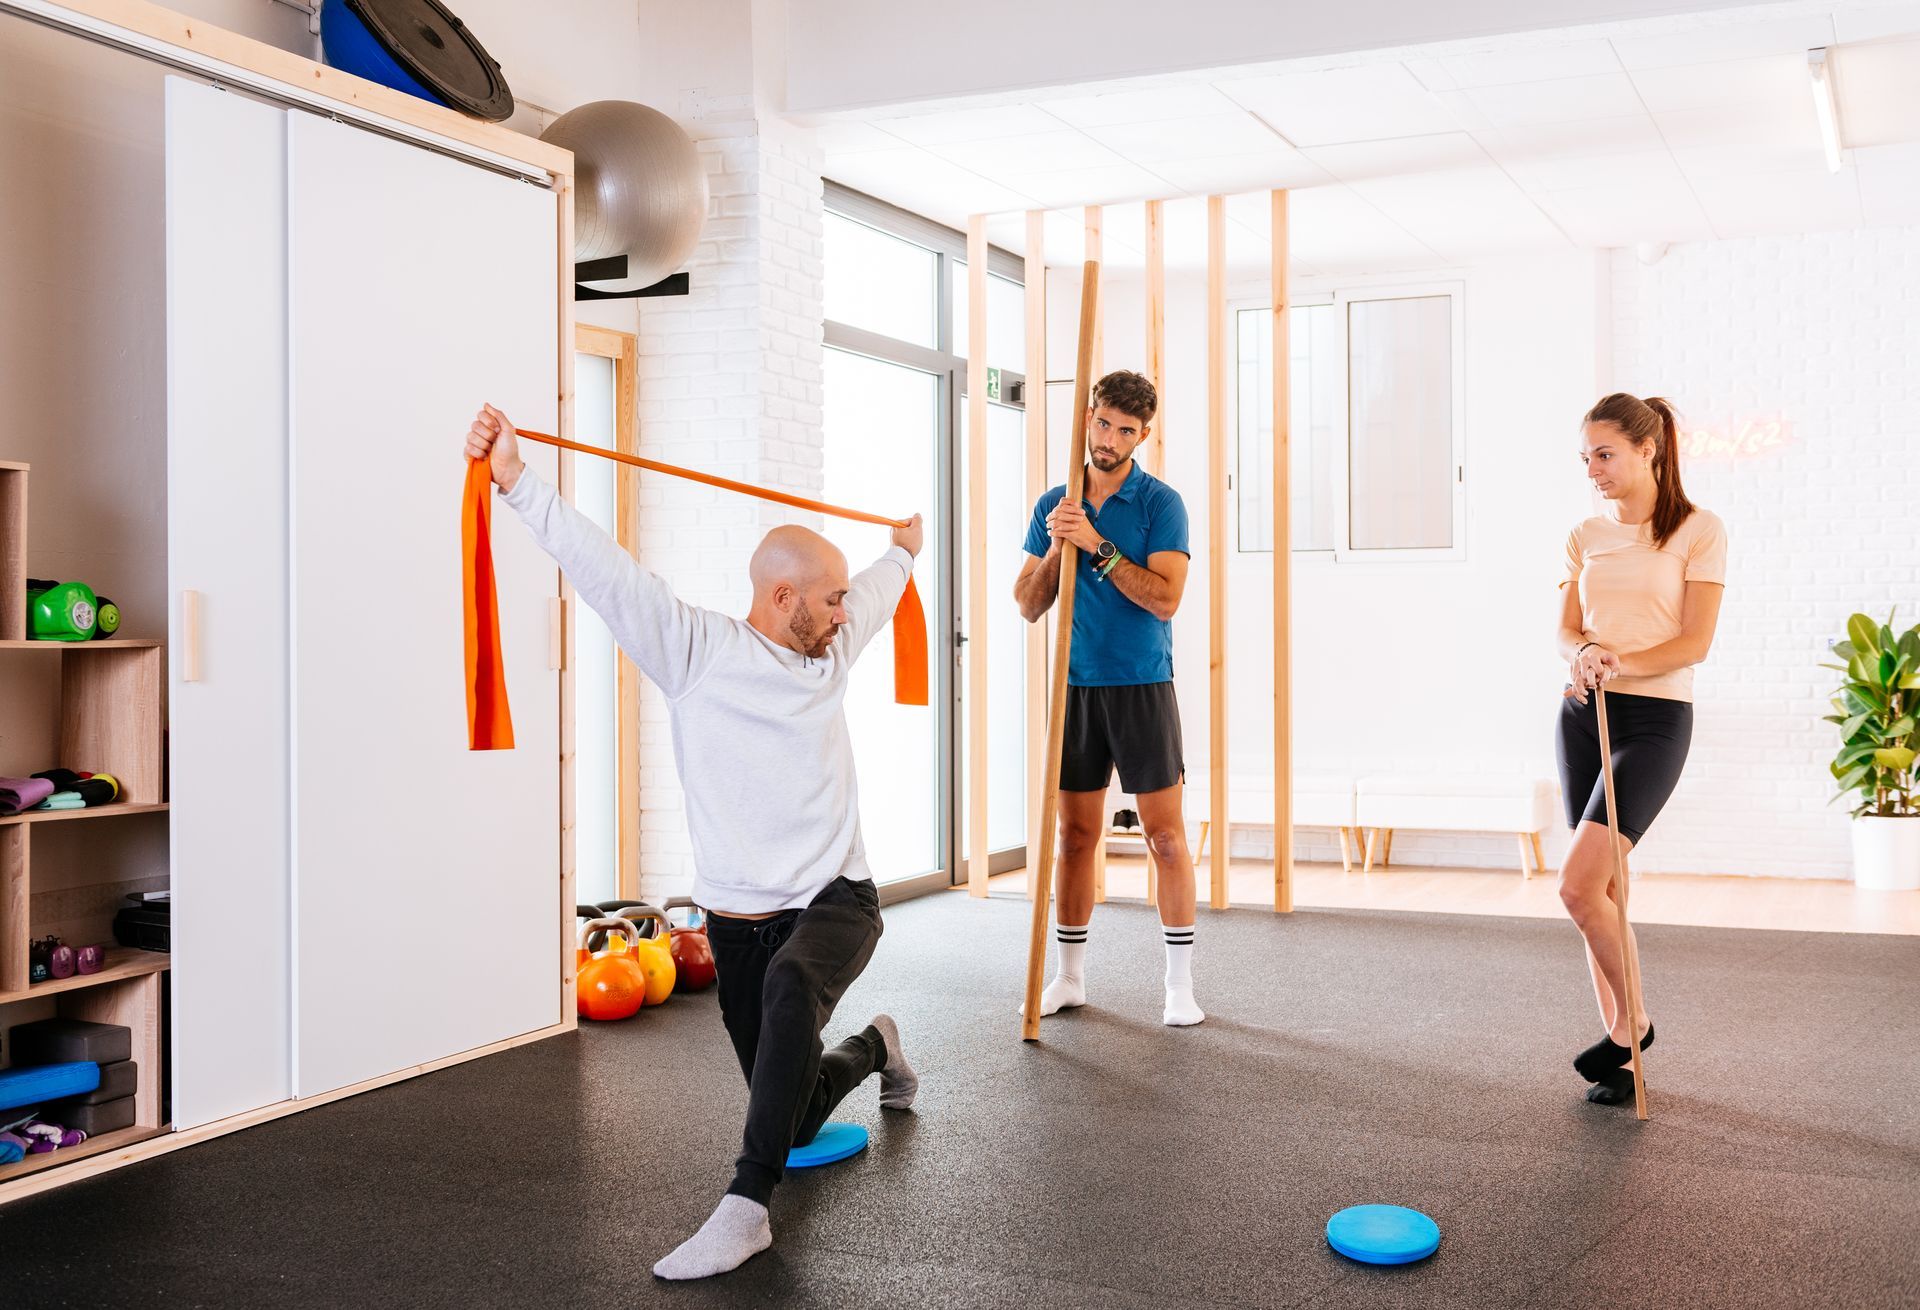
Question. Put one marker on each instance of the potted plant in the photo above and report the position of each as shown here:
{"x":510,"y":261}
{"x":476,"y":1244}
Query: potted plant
{"x":1876,"y":708}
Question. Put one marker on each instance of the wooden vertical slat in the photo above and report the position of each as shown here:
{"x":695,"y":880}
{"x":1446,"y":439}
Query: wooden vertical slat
{"x":1036,"y":274}
{"x":1095,"y":226}
{"x":1157,"y":335}
{"x":1282,"y":572}
{"x":1095,"y":221}
{"x":564,"y":345}
{"x":1218,"y":349}
{"x":626,"y":439}
{"x":977,"y":845}
{"x":110,"y":716}
{"x":134,"y":1005}
{"x":1062,"y":651}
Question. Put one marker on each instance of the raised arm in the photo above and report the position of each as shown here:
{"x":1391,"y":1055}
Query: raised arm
{"x":667,"y":639}
{"x":875,"y":591}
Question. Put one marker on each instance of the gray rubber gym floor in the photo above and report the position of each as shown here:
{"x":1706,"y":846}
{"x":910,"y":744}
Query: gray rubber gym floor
{"x":1349,"y":1057}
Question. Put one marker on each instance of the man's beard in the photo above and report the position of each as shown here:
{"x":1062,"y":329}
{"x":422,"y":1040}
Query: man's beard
{"x":807,"y":634}
{"x":1108,"y":463}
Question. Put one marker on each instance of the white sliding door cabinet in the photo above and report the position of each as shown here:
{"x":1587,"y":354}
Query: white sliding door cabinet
{"x":226,"y":542}
{"x":425,"y":876}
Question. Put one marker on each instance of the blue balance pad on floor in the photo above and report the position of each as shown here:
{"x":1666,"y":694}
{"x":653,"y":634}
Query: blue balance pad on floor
{"x":835,"y":1141}
{"x":1383,"y":1234}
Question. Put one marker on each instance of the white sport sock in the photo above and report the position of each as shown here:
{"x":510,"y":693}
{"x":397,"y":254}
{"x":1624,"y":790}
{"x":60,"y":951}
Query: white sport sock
{"x":1181,"y":1009}
{"x":1068,"y":988}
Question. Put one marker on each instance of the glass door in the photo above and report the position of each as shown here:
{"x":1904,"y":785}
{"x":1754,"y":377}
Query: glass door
{"x":883,"y":448}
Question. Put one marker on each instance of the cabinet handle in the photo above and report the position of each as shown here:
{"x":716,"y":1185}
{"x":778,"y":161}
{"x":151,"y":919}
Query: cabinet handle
{"x":190,"y":636}
{"x":556,"y":632}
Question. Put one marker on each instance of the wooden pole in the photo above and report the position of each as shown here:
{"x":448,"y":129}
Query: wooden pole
{"x":1036,"y":273}
{"x":1282,"y":571}
{"x":1629,"y":966}
{"x":1217,"y":351}
{"x":977,"y":842}
{"x":1157,"y":332}
{"x":1062,"y":649}
{"x":1096,"y":225}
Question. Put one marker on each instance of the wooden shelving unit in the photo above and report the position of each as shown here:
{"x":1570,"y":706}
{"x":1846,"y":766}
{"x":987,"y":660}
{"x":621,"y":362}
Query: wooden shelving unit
{"x":110,"y":721}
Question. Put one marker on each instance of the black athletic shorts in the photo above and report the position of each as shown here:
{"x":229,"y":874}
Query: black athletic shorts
{"x":1135,"y":728}
{"x":1649,"y":736}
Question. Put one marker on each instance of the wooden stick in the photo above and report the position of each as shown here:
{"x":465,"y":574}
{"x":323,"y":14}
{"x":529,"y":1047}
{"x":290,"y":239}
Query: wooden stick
{"x":1042,"y":875}
{"x":1036,"y":271}
{"x":1629,"y":967}
{"x":977,"y":607}
{"x":1283,"y":573}
{"x":1218,"y":350}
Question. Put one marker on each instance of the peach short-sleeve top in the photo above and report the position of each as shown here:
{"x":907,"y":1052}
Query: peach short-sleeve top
{"x":1632,"y":592}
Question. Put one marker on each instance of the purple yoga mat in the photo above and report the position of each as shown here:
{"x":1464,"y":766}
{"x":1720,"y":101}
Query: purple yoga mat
{"x":17,"y":794}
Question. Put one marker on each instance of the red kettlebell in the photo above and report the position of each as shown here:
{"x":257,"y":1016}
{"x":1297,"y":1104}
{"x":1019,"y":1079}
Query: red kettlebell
{"x":692,"y":952}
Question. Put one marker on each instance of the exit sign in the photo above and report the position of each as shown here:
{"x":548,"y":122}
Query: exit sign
{"x":993,"y":384}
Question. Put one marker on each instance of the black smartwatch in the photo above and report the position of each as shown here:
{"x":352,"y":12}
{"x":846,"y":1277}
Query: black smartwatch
{"x":1104,"y":556}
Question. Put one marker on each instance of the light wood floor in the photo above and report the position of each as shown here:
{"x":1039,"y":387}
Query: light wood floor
{"x":1801,"y":904}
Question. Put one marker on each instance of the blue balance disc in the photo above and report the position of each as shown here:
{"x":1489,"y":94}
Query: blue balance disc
{"x":1383,"y":1234}
{"x":834,"y":1141}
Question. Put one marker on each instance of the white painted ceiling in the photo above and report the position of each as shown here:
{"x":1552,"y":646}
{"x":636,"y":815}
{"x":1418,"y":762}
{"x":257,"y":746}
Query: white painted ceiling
{"x":1668,"y":130}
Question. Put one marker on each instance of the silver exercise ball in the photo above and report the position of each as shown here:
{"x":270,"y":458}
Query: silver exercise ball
{"x":639,"y":187}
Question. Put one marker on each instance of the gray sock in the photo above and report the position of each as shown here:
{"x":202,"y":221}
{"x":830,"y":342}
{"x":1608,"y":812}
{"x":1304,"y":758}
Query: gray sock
{"x":898,"y":1082}
{"x":736,"y":1231}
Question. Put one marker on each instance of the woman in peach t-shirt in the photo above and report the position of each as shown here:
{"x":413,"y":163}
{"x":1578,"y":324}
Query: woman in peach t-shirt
{"x":1641,"y":597}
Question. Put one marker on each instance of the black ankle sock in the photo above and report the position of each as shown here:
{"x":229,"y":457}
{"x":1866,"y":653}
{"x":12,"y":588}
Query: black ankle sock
{"x":1606,"y":1055}
{"x":1615,"y":1088}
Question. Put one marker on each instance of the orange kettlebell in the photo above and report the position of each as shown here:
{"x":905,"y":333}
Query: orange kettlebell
{"x":654,"y":954}
{"x":612,"y":985}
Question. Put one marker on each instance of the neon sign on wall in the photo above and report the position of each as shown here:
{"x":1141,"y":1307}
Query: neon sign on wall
{"x":1744,"y":438}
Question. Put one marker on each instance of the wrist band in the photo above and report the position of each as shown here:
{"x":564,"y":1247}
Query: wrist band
{"x":1110,"y":565}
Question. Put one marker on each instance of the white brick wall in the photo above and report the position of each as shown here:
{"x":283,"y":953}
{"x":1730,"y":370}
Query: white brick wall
{"x":1822,"y":331}
{"x":730,"y":383}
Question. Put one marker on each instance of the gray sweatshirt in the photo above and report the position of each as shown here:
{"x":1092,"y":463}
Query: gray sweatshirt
{"x":759,"y":730}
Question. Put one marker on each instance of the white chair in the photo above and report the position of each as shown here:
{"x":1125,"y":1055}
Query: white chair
{"x":1457,"y":803}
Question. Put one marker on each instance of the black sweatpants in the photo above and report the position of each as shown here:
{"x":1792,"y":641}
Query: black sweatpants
{"x":779,"y":981}
{"x":1649,"y":736}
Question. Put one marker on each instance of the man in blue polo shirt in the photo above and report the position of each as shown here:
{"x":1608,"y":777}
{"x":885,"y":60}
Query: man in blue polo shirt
{"x":1132,"y":535}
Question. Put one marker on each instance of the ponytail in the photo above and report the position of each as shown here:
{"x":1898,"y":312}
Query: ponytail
{"x":1652,"y":420}
{"x":1671,"y":506}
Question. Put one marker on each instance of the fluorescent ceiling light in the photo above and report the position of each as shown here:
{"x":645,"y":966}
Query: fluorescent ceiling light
{"x":1821,"y":73}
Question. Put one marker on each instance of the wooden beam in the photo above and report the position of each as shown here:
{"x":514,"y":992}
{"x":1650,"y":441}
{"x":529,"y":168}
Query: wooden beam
{"x":569,"y":809}
{"x":1219,"y":347}
{"x":1036,"y":275}
{"x":1095,"y":224}
{"x":1157,"y":334}
{"x":1062,"y":650}
{"x":1282,"y":573}
{"x":977,"y":842}
{"x":1095,"y":255}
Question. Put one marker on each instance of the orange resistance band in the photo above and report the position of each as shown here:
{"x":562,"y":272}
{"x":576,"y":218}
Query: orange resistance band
{"x":489,"y":723}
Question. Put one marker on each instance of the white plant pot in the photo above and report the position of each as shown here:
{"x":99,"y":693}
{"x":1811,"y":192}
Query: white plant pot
{"x":1886,"y":854}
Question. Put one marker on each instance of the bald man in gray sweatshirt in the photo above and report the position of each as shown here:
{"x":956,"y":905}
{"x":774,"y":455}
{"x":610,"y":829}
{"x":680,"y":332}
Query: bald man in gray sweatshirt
{"x":760,"y":740}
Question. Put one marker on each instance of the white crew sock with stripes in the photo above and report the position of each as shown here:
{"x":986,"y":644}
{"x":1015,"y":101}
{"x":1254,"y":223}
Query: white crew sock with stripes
{"x":1182,"y":1010}
{"x":1069,"y":987}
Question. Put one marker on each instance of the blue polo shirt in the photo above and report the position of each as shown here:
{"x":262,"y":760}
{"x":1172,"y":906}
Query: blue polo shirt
{"x":1115,"y":642}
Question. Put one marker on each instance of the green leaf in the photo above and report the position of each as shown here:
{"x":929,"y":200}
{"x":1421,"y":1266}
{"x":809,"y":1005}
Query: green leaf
{"x":1860,"y":699}
{"x":1837,"y":668}
{"x":1861,"y":631}
{"x":1852,"y":780}
{"x":1887,"y":639}
{"x":1910,"y":645}
{"x":1901,"y":727}
{"x":1844,"y":649}
{"x":1854,"y":724}
{"x":1911,"y":681}
{"x":1884,"y":672}
{"x":1897,"y":758}
{"x":1862,"y":670}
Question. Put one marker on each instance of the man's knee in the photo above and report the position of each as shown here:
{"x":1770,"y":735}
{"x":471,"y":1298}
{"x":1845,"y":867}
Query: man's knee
{"x":1168,"y":843}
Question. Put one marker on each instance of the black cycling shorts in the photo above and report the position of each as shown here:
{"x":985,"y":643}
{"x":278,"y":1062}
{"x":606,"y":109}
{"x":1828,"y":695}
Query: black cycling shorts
{"x":1649,"y":736}
{"x":1135,"y":728}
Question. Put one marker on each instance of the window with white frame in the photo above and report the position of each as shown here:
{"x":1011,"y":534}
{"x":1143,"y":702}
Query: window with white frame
{"x":1375,"y":461}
